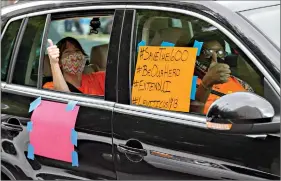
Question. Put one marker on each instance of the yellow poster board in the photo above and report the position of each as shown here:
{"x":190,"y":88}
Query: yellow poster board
{"x":163,"y":77}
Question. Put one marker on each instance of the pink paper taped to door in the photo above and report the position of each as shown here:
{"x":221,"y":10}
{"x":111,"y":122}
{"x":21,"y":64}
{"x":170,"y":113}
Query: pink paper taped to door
{"x":51,"y":132}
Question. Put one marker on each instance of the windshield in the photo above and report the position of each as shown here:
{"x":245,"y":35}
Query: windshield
{"x":267,"y":20}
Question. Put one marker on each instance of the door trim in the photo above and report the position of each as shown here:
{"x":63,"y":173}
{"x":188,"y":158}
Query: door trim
{"x":162,"y":115}
{"x":83,"y":100}
{"x":7,"y":172}
{"x":79,"y":8}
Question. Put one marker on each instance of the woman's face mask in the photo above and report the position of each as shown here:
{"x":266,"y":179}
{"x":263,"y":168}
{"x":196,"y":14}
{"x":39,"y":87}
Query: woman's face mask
{"x":73,"y":62}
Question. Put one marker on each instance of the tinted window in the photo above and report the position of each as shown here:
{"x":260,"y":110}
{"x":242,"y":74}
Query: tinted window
{"x":7,"y":45}
{"x":26,"y":68}
{"x":156,"y":27}
{"x":267,"y":20}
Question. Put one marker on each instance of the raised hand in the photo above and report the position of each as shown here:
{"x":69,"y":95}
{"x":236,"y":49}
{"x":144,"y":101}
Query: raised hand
{"x":53,"y":52}
{"x":218,"y":73}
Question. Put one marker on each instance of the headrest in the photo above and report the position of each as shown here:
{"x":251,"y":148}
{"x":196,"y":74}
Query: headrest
{"x":231,"y":60}
{"x":98,"y":57}
{"x":172,"y":35}
{"x":159,"y":23}
{"x":152,"y":25}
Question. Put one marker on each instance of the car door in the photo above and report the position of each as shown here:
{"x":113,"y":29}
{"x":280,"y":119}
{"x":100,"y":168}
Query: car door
{"x":21,"y":84}
{"x":152,"y":143}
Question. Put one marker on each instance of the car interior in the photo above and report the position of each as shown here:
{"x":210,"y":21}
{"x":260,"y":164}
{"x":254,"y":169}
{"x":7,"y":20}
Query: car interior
{"x":158,"y":29}
{"x":97,"y":59}
{"x":97,"y":62}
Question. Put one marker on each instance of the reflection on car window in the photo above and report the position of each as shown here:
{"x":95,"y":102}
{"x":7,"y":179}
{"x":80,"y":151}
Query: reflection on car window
{"x":221,"y":68}
{"x":26,"y":68}
{"x":267,"y":20}
{"x":7,"y":45}
{"x":82,"y":55}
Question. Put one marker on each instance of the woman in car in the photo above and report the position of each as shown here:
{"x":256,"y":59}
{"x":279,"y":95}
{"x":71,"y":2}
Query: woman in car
{"x":67,"y":60}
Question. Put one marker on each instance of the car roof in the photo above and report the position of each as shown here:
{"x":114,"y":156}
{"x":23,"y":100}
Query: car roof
{"x":238,"y":6}
{"x":29,"y":4}
{"x":235,"y":5}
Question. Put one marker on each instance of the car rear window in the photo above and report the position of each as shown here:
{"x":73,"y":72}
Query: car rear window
{"x":267,"y":20}
{"x":7,"y":46}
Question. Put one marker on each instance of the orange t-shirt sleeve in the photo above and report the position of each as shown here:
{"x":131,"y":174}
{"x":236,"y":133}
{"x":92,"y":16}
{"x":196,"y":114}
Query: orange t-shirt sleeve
{"x":94,"y":83}
{"x":48,"y":85}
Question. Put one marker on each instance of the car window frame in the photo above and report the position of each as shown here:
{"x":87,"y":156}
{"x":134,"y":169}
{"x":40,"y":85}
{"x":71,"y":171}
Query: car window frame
{"x":225,"y":31}
{"x":18,"y":46}
{"x":83,"y":100}
{"x":13,"y":48}
{"x":42,"y":51}
{"x":190,"y":119}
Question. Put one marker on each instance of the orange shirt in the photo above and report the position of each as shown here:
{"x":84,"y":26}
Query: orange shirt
{"x":232,"y":85}
{"x":92,"y":84}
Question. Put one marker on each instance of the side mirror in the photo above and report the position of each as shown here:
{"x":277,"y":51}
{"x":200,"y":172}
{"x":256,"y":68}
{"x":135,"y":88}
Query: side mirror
{"x":242,"y":113}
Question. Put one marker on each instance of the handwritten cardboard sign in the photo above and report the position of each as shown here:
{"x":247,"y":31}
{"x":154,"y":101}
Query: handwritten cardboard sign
{"x":163,"y":77}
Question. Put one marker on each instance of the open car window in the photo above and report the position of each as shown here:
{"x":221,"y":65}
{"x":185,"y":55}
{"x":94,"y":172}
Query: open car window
{"x":92,"y":44}
{"x":157,"y":71}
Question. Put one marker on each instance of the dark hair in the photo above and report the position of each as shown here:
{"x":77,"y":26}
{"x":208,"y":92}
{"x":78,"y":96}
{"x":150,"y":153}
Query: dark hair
{"x":62,"y":45}
{"x":207,"y":36}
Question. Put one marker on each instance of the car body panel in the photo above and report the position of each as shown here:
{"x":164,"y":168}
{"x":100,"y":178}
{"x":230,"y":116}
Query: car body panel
{"x":238,"y":6}
{"x":94,"y":141}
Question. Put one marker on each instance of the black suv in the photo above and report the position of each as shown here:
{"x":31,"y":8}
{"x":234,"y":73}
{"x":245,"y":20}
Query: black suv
{"x":120,"y":140}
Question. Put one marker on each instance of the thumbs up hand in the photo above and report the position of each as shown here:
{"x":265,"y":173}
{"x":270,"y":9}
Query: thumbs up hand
{"x":53,"y":52}
{"x":218,"y":73}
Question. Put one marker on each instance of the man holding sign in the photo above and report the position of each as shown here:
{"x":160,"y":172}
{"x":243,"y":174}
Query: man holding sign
{"x":163,"y":76}
{"x":215,"y":79}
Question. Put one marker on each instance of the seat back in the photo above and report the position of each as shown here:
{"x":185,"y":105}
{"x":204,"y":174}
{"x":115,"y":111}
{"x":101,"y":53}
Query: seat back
{"x":152,"y":25}
{"x":178,"y":36}
{"x":98,"y":57}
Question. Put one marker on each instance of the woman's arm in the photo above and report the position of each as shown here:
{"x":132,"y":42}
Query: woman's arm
{"x":58,"y":79}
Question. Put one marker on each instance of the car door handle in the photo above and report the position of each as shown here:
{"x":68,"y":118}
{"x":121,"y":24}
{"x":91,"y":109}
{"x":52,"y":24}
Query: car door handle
{"x":133,"y":151}
{"x":11,"y":127}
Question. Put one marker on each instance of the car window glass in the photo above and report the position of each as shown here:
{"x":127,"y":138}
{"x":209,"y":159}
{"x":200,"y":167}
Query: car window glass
{"x":26,"y":67}
{"x":267,"y":20}
{"x":80,"y":47}
{"x":158,"y":26}
{"x":7,"y":45}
